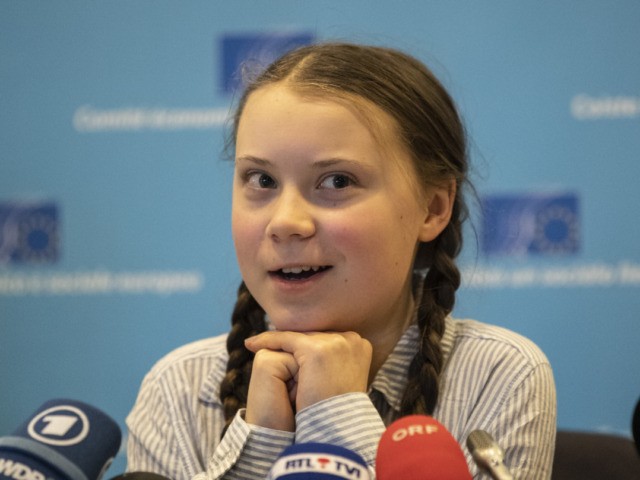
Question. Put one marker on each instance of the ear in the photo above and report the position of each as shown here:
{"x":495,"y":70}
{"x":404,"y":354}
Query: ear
{"x":440,"y":201}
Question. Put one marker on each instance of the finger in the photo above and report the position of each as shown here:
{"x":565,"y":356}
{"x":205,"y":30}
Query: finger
{"x":292,"y":387}
{"x":269,"y":400}
{"x":288,"y":341}
{"x":275,"y":364}
{"x":273,"y":340}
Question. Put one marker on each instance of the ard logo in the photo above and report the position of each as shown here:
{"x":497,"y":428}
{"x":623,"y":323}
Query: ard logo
{"x":62,"y":426}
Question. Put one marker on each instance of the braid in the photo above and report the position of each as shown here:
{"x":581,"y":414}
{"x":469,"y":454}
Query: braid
{"x":438,"y":298}
{"x":247,"y":320}
{"x":430,"y":129}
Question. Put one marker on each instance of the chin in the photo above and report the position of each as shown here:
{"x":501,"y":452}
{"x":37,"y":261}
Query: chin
{"x":297,"y":327}
{"x":299,"y":323}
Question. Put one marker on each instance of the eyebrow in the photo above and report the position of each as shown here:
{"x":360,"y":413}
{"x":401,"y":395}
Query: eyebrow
{"x":320,"y":164}
{"x":330,"y":162}
{"x":252,"y":159}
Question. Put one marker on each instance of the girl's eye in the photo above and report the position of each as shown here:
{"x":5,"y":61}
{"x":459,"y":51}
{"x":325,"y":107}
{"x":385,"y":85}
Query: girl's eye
{"x":337,"y":181}
{"x":260,"y":180}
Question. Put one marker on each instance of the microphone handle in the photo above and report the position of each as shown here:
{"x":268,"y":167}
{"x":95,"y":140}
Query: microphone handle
{"x":500,"y":471}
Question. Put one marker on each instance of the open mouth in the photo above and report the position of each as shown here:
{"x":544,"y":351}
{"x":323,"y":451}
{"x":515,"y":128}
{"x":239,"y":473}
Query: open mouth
{"x":299,"y":273}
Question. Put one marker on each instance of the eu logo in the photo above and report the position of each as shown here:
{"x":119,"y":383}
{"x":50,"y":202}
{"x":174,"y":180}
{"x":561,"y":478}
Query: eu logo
{"x":29,"y":233}
{"x":254,"y":52}
{"x":538,"y":224}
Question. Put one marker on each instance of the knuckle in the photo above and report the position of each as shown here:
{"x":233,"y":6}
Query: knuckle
{"x":261,"y":356}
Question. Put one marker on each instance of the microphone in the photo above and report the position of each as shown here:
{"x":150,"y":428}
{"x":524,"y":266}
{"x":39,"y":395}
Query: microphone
{"x":635,"y":426}
{"x":63,"y":440}
{"x":139,"y":475}
{"x":418,"y":447}
{"x":318,"y":461}
{"x":488,"y":455}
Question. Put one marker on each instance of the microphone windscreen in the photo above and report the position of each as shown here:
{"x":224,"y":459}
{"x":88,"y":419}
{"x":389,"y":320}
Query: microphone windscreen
{"x":419,"y":447}
{"x":139,"y":476}
{"x":318,"y":461}
{"x":63,"y":440}
{"x":635,"y":426}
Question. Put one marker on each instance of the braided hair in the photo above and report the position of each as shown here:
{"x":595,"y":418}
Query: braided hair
{"x":430,"y":129}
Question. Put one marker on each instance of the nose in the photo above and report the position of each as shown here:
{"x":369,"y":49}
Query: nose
{"x":291,"y":218}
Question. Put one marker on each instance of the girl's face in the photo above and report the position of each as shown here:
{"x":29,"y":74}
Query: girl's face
{"x":326,"y":222}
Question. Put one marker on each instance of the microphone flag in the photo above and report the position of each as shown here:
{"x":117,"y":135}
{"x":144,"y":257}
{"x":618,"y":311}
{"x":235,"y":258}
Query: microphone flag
{"x":63,"y":440}
{"x":318,"y":461}
{"x":418,"y":447}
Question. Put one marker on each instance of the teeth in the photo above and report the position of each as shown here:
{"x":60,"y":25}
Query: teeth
{"x":296,"y":270}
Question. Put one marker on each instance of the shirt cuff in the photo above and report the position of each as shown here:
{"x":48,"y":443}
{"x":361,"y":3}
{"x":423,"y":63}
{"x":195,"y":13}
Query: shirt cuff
{"x":350,"y":421}
{"x":248,"y":450}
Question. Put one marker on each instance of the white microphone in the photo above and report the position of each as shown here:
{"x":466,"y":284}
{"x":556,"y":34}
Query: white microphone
{"x":316,"y":461}
{"x":488,"y":455}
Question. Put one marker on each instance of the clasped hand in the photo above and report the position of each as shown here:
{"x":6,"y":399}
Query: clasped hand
{"x":294,"y":370}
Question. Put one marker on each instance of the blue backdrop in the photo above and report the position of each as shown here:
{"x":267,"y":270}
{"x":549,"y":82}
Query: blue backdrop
{"x":115,"y":195}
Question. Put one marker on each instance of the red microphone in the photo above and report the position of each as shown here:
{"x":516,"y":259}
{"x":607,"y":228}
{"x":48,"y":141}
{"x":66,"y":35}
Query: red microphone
{"x":418,"y":447}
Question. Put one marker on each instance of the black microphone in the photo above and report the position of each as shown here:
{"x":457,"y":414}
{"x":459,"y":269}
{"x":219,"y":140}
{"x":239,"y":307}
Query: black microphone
{"x":635,"y":426}
{"x":63,"y":440}
{"x":139,"y":476}
{"x":488,"y":455}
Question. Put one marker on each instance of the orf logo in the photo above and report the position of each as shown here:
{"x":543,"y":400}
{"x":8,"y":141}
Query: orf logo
{"x":63,"y":426}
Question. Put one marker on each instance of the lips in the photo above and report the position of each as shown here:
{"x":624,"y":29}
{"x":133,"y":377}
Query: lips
{"x":301,"y":272}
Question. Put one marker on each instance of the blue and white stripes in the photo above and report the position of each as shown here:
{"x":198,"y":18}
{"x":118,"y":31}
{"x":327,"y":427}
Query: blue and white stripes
{"x":493,"y":379}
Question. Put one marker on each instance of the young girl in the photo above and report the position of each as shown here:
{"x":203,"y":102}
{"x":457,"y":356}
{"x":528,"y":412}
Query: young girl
{"x":350,"y":166}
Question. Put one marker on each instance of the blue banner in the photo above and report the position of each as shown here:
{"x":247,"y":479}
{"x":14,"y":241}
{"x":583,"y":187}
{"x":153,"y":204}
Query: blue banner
{"x":115,"y":188}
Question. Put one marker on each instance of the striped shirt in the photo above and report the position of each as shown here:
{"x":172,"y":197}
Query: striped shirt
{"x":493,"y":379}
